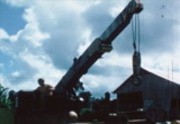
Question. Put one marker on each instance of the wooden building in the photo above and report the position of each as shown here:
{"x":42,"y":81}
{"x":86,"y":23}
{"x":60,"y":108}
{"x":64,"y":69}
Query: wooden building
{"x":157,"y":97}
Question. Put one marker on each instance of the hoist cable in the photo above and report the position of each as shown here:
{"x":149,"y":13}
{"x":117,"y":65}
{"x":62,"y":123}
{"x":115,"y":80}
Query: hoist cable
{"x":136,"y":33}
{"x":139,"y":35}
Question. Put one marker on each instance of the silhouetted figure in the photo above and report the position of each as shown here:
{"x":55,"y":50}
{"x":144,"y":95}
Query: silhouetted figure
{"x":42,"y":92}
{"x":107,"y":96}
{"x":45,"y":89}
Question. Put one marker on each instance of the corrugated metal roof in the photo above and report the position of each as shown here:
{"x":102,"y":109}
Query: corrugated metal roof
{"x":146,"y":76}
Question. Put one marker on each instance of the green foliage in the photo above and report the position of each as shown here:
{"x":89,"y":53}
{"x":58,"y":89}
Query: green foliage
{"x":6,"y":116}
{"x":5,"y":102}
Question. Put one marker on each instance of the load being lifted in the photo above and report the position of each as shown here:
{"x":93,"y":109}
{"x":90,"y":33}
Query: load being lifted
{"x":62,"y":101}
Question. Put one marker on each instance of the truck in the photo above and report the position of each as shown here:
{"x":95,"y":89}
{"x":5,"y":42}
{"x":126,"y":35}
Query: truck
{"x":64,"y":98}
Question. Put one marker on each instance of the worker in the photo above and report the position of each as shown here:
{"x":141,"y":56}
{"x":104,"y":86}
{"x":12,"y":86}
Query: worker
{"x":45,"y":89}
{"x":42,"y":93}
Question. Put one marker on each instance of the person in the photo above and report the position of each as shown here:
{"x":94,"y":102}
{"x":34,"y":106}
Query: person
{"x":42,"y":92}
{"x":44,"y":89}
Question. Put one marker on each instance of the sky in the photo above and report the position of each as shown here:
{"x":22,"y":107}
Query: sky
{"x":40,"y":38}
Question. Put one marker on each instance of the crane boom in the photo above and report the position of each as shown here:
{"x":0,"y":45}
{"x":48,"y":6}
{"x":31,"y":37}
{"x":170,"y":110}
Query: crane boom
{"x":98,"y":47}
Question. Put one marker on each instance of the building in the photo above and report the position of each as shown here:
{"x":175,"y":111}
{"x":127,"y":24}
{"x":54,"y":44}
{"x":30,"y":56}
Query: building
{"x":157,"y":97}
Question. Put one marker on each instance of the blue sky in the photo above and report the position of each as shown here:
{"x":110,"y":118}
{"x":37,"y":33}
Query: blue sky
{"x":11,"y":18}
{"x":40,"y":39}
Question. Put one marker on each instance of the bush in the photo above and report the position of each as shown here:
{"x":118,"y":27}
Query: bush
{"x":5,"y":102}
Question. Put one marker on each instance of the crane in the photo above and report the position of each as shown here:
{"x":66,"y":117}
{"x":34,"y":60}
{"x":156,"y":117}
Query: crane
{"x":63,"y":99}
{"x":97,"y":48}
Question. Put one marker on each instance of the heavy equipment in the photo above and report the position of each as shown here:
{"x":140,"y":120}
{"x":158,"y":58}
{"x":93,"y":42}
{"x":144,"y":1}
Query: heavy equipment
{"x":97,"y":48}
{"x":62,"y":101}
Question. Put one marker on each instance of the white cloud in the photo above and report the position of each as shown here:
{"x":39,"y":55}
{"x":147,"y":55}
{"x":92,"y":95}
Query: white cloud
{"x":3,"y":34}
{"x":43,"y":65}
{"x":4,"y":82}
{"x":115,"y":59}
{"x":27,"y":40}
{"x":32,"y":31}
{"x":87,"y":41}
{"x":56,"y":31}
{"x":16,"y":74}
{"x":99,"y":84}
{"x":114,"y":11}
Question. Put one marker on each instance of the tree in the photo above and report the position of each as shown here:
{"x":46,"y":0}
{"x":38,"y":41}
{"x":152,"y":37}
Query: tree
{"x":5,"y":102}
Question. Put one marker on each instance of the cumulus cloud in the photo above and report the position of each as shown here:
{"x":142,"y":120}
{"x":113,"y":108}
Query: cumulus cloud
{"x":57,"y":31}
{"x":21,"y":50}
{"x":3,"y":34}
